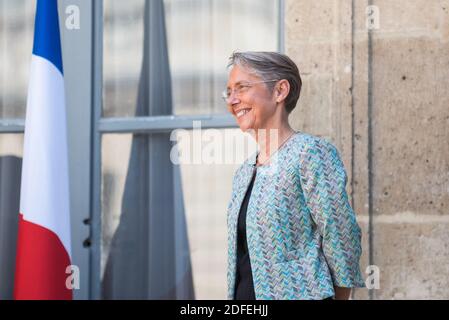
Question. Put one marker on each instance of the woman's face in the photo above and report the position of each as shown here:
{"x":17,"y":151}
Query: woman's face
{"x":252,"y":104}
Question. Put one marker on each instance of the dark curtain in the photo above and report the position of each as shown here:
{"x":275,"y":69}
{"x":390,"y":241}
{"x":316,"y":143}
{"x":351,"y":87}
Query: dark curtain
{"x":149,"y":255}
{"x":10,"y":173}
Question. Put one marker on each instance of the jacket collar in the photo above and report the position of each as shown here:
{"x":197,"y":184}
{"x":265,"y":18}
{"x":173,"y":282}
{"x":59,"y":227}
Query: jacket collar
{"x":251,"y":161}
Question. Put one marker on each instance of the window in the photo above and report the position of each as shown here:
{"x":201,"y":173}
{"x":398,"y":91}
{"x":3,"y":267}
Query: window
{"x":163,"y":226}
{"x":16,"y":22}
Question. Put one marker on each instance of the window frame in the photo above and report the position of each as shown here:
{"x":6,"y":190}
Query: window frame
{"x":147,"y":125}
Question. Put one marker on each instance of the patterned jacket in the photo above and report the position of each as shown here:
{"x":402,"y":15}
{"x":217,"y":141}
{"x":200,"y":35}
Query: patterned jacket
{"x":303,"y":237}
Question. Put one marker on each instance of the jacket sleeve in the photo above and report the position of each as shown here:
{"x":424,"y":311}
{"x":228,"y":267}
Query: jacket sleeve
{"x":323,"y":179}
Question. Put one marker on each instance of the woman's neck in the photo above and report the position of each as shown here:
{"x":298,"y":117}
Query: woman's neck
{"x":269,"y":140}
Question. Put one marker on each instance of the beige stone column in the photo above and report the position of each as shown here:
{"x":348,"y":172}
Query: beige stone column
{"x":383,"y":101}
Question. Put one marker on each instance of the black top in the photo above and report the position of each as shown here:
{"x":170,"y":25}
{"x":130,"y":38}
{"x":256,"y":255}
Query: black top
{"x":244,"y":287}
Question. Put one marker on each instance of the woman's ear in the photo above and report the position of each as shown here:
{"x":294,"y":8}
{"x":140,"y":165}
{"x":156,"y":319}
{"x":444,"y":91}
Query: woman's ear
{"x":282,"y":90}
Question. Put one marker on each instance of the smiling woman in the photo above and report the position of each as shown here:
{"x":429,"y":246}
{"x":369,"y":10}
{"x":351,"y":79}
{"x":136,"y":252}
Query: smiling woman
{"x":289,"y":197}
{"x":258,"y":84}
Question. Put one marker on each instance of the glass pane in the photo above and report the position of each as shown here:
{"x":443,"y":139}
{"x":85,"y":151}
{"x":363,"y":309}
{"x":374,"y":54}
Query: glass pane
{"x":155,"y":212}
{"x":207,"y":191}
{"x":182,"y":53}
{"x":113,"y":180}
{"x":11,"y":146}
{"x":122,"y":55}
{"x":202,"y":35}
{"x":16,"y":22}
{"x":139,"y":248}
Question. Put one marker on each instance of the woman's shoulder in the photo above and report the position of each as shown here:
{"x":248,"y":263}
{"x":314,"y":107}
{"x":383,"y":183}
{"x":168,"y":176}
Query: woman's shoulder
{"x":306,"y":143}
{"x":249,"y":163}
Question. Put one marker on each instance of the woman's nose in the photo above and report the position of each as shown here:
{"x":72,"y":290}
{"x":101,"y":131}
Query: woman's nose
{"x":233,"y":99}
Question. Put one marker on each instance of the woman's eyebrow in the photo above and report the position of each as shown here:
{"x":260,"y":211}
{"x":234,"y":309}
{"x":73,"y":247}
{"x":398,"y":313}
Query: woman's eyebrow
{"x":238,"y":83}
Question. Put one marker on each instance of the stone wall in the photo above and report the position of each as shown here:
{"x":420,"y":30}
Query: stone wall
{"x":379,"y":92}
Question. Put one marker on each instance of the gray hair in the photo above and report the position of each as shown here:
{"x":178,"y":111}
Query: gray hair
{"x":270,"y":66}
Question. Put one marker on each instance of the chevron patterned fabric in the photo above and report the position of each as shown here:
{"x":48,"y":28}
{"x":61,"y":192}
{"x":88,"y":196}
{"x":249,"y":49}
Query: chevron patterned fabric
{"x":303,"y":237}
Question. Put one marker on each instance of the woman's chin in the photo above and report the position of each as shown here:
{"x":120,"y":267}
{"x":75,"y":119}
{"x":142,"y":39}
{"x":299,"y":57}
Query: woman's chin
{"x":245,"y":125}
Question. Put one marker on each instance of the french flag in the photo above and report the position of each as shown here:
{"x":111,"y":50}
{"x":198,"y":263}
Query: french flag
{"x":43,"y":249}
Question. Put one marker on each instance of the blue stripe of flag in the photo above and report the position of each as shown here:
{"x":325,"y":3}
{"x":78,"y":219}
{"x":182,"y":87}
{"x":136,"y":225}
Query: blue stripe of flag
{"x":47,"y":42}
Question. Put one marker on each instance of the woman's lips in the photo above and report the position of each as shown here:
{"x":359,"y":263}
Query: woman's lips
{"x":242,"y":112}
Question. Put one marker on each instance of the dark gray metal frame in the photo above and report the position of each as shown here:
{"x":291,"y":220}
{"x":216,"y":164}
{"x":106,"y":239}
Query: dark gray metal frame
{"x":12,"y":125}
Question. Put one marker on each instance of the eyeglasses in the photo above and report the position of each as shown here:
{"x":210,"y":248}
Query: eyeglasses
{"x":241,"y":88}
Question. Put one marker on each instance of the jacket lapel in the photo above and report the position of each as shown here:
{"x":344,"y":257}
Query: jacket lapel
{"x":242,"y":183}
